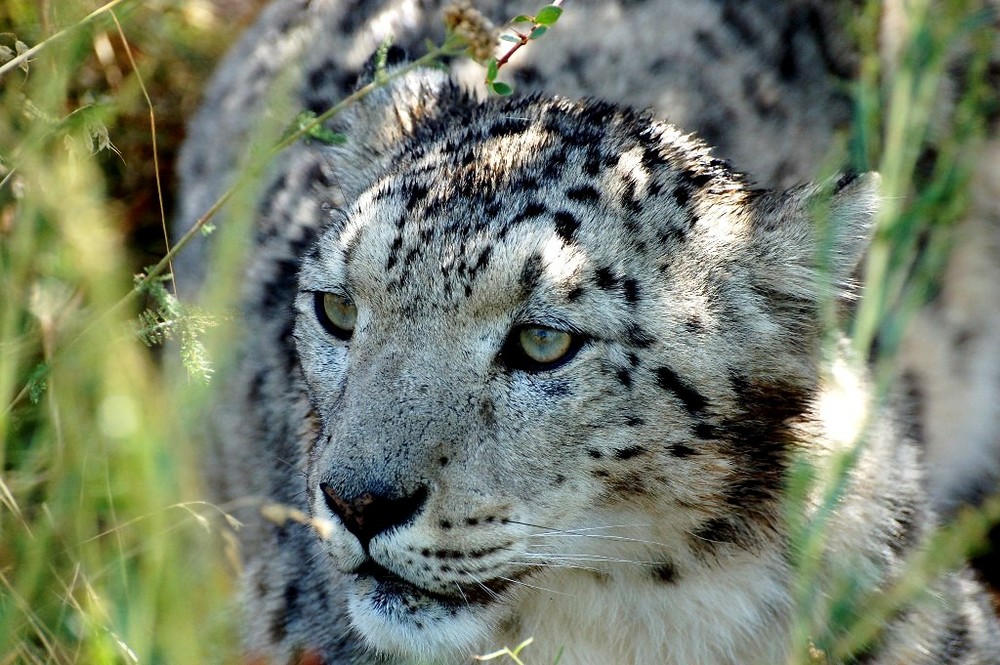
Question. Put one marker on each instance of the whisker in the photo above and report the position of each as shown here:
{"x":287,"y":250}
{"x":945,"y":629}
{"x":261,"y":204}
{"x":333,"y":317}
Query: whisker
{"x":493,"y":594}
{"x":560,"y":566}
{"x":585,"y":529}
{"x":596,"y":536}
{"x":585,"y":557}
{"x":462,"y":593}
{"x":314,"y":557}
{"x":582,"y":532}
{"x":290,"y":465}
{"x":532,"y":586}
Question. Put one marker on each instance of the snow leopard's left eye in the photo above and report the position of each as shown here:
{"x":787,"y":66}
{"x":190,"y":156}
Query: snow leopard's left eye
{"x":336,"y":313}
{"x":538,"y":348}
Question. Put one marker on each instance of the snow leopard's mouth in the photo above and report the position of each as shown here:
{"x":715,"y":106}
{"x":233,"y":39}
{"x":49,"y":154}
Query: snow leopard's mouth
{"x":391,"y":587}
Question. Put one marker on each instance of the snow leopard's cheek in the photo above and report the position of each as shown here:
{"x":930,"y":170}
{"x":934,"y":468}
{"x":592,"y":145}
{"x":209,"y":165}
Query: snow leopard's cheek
{"x":323,"y":355}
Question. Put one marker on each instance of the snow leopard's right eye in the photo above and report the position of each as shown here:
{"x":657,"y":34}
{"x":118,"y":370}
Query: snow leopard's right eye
{"x":336,"y":313}
{"x":539,"y":348}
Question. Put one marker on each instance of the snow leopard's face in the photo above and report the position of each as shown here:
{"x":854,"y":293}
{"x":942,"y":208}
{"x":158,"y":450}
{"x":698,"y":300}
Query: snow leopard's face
{"x":557,"y":345}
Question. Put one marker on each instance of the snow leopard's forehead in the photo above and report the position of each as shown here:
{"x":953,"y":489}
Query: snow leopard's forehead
{"x":534,"y":194}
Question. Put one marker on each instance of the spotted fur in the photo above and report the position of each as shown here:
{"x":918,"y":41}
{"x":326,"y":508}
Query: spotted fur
{"x":625,"y":504}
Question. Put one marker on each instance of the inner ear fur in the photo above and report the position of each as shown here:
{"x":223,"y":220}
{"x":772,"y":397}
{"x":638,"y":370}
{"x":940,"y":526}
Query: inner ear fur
{"x":808,"y":241}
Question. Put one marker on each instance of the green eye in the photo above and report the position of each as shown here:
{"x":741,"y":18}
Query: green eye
{"x":337,"y":314}
{"x":539,"y":348}
{"x":544,"y":345}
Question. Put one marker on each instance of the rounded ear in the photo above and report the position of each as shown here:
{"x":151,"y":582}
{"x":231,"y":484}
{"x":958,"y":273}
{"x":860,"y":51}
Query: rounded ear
{"x":376,"y":123}
{"x":394,"y":109}
{"x":810,"y":239}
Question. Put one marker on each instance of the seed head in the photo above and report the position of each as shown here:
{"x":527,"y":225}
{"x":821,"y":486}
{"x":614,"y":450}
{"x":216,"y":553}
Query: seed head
{"x":469,"y":23}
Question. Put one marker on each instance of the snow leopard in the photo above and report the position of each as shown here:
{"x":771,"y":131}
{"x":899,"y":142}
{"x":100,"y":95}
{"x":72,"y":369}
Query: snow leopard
{"x":548,"y":367}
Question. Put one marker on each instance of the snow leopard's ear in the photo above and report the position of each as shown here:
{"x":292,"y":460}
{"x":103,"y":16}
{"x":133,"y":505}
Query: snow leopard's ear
{"x":396,"y":109}
{"x":809,"y":240}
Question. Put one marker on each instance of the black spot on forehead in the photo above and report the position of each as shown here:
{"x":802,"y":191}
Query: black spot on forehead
{"x":566,"y":225}
{"x":483,"y":260}
{"x":397,"y":244}
{"x":628,"y":199}
{"x":651,"y":157}
{"x":583,"y":194}
{"x":527,"y":183}
{"x":592,"y":164}
{"x":585,"y":125}
{"x":416,"y":192}
{"x":531,"y":210}
{"x":844,"y":181}
{"x":313,"y":252}
{"x":531,"y":272}
{"x":695,"y":179}
{"x":631,"y":287}
{"x":605,"y":278}
{"x":707,"y":431}
{"x":508,"y":126}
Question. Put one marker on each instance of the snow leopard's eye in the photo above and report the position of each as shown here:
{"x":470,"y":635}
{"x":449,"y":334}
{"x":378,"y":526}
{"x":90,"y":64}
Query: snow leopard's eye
{"x":537,"y":348}
{"x":337,"y":314}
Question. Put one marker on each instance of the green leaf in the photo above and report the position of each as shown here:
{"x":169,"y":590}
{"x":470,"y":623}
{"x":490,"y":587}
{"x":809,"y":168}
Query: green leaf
{"x":523,"y":18}
{"x":501,"y":88}
{"x":491,"y":70}
{"x":320,"y":132}
{"x":548,"y":15}
{"x":538,"y":32}
{"x":326,"y":135}
{"x":381,"y":55}
{"x":509,"y":38}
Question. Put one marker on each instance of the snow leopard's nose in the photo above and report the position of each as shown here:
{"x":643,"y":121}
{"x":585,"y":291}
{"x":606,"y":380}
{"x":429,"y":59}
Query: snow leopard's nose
{"x":369,"y":514}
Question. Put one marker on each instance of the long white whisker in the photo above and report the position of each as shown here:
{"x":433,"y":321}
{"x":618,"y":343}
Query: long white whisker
{"x":532,"y":586}
{"x":596,"y":558}
{"x":624,"y":539}
{"x":560,"y":566}
{"x":462,"y":593}
{"x":551,"y":530}
{"x":493,"y":594}
{"x":583,"y":531}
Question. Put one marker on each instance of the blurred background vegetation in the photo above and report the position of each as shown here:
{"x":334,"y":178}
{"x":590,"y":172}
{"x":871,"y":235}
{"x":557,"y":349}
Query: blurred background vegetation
{"x":108,"y":551}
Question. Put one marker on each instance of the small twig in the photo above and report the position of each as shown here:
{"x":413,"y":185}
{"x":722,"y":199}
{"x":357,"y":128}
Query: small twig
{"x":22,"y":57}
{"x":523,"y":40}
{"x":450,"y":47}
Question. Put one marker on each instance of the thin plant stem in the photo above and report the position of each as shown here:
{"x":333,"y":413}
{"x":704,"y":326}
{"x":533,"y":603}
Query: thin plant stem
{"x":152,"y":136}
{"x":31,"y":52}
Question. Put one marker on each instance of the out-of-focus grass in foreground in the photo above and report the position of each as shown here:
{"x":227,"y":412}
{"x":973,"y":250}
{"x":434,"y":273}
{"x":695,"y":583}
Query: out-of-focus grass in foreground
{"x":108,"y":552}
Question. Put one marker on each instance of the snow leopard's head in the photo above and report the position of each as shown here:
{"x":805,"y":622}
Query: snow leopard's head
{"x":556,"y":344}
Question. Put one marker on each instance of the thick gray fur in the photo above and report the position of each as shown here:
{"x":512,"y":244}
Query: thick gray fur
{"x":627,"y":505}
